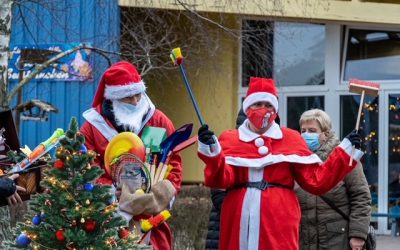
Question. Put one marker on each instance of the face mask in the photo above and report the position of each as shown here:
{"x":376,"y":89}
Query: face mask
{"x":312,"y":140}
{"x":260,"y":118}
{"x":126,"y":107}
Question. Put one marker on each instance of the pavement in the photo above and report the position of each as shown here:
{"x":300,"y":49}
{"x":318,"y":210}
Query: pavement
{"x":386,"y":242}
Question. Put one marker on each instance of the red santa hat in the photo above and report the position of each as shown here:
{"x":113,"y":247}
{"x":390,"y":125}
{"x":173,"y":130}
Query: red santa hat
{"x":261,"y":90}
{"x":120,"y":80}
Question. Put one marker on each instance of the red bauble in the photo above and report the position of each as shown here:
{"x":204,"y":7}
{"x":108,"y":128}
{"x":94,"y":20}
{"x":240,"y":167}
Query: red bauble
{"x":59,"y":164}
{"x":90,"y":225}
{"x":123,"y":233}
{"x":60,"y":235}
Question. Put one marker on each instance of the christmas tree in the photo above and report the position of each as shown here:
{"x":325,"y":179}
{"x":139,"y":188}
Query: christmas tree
{"x":73,"y":212}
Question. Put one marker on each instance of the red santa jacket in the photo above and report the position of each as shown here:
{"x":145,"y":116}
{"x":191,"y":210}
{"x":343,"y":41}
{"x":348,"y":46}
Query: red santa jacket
{"x":99,"y":131}
{"x":268,"y":219}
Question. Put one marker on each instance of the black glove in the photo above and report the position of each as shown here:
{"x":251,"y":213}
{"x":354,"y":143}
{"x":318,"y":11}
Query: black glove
{"x":206,"y":135}
{"x":355,"y":138}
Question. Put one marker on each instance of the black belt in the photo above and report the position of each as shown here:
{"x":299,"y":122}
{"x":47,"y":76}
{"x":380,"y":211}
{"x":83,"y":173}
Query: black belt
{"x":262,"y":185}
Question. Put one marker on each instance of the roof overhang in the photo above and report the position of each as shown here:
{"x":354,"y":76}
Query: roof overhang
{"x":343,"y":11}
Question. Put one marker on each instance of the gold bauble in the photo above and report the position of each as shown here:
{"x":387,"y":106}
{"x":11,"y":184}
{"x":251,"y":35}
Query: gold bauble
{"x":91,"y":154}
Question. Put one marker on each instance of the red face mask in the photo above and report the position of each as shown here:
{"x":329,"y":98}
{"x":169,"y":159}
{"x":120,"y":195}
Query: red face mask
{"x":260,"y":118}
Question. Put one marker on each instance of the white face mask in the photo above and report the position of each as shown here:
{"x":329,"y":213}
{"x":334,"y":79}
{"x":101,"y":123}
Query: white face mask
{"x":130,"y":116}
{"x":128,"y":108}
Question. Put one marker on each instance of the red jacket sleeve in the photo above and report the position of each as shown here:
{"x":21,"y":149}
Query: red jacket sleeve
{"x":320,"y":178}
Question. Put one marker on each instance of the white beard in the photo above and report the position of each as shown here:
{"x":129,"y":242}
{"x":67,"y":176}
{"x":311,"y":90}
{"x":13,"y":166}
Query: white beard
{"x":131,"y":120}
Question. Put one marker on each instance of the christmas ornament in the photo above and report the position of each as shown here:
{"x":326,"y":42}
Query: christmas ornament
{"x":82,"y":220}
{"x":83,"y":149}
{"x":23,"y":240}
{"x":89,"y":187}
{"x":59,"y":164}
{"x":60,"y":152}
{"x":43,"y":215}
{"x":123,"y":233}
{"x":90,"y":225}
{"x":74,"y":223}
{"x":60,"y":235}
{"x":87,"y":202}
{"x":91,"y":153}
{"x":36,"y":220}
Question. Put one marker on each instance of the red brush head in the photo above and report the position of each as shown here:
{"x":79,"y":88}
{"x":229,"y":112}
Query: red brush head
{"x":359,"y":86}
{"x":365,"y":83}
{"x":179,"y":60}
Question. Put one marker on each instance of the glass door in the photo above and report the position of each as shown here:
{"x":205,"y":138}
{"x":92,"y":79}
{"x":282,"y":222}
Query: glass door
{"x":393,"y":154}
{"x":369,"y":127}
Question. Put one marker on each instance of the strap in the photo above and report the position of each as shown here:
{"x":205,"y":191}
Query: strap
{"x":262,"y":185}
{"x":332,"y":205}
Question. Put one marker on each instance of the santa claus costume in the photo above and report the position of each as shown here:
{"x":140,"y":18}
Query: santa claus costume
{"x":260,"y":210}
{"x":108,"y":117}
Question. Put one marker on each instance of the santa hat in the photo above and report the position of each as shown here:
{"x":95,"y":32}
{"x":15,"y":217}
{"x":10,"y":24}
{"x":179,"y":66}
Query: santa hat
{"x":261,"y":90}
{"x":120,"y":80}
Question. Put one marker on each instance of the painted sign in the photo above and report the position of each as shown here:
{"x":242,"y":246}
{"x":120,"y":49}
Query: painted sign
{"x":74,"y":67}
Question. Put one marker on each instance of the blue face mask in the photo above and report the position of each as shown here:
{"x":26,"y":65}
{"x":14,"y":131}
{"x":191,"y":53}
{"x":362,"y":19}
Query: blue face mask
{"x":312,"y":140}
{"x":128,"y":108}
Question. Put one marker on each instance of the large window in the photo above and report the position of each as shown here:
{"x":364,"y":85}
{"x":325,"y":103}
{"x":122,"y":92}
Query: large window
{"x":299,"y":54}
{"x":372,"y":55}
{"x":292,"y":53}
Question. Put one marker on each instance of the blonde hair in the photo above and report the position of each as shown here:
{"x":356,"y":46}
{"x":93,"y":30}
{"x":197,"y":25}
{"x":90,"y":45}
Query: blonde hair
{"x":320,"y":116}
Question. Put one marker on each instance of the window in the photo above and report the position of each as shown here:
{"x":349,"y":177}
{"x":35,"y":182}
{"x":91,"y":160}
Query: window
{"x":369,"y":134}
{"x":299,"y":54}
{"x":256,"y":50}
{"x":292,"y":53}
{"x":394,"y":154}
{"x":297,"y":105}
{"x":372,"y":55}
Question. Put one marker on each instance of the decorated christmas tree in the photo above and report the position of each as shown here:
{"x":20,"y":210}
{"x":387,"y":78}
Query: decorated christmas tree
{"x":73,"y":212}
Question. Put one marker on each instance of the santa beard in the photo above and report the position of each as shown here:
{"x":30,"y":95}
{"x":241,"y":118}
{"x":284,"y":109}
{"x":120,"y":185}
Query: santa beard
{"x":129,"y":116}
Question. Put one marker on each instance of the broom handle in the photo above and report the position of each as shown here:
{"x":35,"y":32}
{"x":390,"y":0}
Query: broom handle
{"x":189,"y":89}
{"x":357,"y":123}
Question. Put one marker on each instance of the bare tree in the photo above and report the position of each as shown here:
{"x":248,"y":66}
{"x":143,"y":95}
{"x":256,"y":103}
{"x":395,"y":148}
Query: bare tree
{"x":5,"y":31}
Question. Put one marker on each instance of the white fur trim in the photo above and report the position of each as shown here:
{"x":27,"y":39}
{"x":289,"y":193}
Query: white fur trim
{"x":270,"y":159}
{"x":246,"y":135}
{"x":348,"y":148}
{"x":250,"y":216}
{"x":94,"y":118}
{"x":260,"y":97}
{"x":206,"y":149}
{"x":120,"y":91}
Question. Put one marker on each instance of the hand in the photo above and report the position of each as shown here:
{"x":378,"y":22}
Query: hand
{"x":206,"y":135}
{"x":15,"y":198}
{"x":356,"y":243}
{"x":149,"y":203}
{"x":355,"y":139}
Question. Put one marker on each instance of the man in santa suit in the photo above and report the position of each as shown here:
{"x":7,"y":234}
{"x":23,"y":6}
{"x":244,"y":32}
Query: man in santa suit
{"x":258,"y":164}
{"x":121,"y":104}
